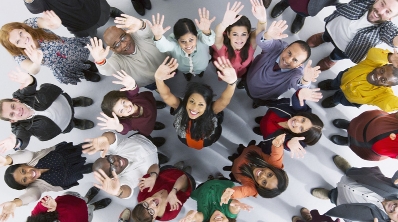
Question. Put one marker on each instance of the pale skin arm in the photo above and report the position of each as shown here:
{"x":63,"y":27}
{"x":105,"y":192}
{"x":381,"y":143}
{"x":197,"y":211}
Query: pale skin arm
{"x":149,"y":182}
{"x":166,"y":71}
{"x":228,"y":75}
{"x":260,"y":13}
{"x":229,"y":19}
{"x":8,"y":208}
{"x":180,"y":184}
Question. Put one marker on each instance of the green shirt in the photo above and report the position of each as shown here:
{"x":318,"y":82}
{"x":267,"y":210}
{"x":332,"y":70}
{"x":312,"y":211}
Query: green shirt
{"x":208,"y":197}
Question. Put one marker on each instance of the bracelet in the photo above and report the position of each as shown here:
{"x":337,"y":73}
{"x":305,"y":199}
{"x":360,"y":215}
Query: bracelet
{"x":304,"y":79}
{"x":231,"y":84}
{"x":154,"y":173}
{"x":175,"y":189}
{"x":101,"y":62}
{"x":120,"y":194}
{"x":143,"y":25}
{"x":261,"y":23}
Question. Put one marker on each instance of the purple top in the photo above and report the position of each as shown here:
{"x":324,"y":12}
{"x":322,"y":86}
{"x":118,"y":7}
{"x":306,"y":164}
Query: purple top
{"x":145,"y":123}
{"x":265,"y":83}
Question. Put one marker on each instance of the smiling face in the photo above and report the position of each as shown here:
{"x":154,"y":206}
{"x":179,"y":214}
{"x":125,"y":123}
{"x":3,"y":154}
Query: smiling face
{"x":188,"y":42}
{"x":217,"y":216}
{"x":238,"y":37}
{"x":382,"y":10}
{"x":156,"y":203}
{"x":292,"y":57}
{"x":382,"y":76}
{"x":265,"y":178}
{"x":196,"y":106}
{"x":299,"y":124}
{"x":26,"y":175}
{"x":119,"y":41}
{"x":15,"y":111}
{"x":124,"y":108}
{"x":391,"y":207}
{"x":21,"y":38}
{"x":119,"y":164}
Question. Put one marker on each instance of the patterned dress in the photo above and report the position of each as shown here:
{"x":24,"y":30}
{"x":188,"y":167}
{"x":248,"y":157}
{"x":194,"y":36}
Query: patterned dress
{"x":65,"y":57}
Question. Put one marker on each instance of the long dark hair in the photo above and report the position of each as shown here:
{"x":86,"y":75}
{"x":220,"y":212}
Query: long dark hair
{"x":313,"y":134}
{"x":110,"y":100}
{"x":244,"y":52}
{"x":204,"y":125}
{"x":44,"y":217}
{"x":255,"y":161}
{"x":9,"y":177}
{"x":184,"y":26}
{"x":140,"y":214}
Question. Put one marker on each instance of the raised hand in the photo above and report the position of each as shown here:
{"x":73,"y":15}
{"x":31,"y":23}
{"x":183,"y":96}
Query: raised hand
{"x":109,"y":185}
{"x":204,"y":23}
{"x":228,"y":73}
{"x":309,"y":94}
{"x":96,"y":49}
{"x":258,"y":10}
{"x":296,"y":150}
{"x":167,"y":69}
{"x":189,"y":217}
{"x":241,"y":206}
{"x":310,"y":74}
{"x":109,"y":123}
{"x":148,"y":182}
{"x":129,"y":23}
{"x":173,"y":200}
{"x":275,"y":30}
{"x":35,"y":55}
{"x":8,"y":209}
{"x":157,"y":26}
{"x":127,"y":81}
{"x":8,"y":143}
{"x":279,"y":140}
{"x":51,"y":20}
{"x":23,"y":78}
{"x":394,"y":58}
{"x":96,"y":144}
{"x":49,"y":203}
{"x":230,"y":16}
{"x":226,"y":196}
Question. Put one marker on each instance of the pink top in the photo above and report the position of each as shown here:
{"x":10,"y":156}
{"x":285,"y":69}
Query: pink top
{"x":240,"y":68}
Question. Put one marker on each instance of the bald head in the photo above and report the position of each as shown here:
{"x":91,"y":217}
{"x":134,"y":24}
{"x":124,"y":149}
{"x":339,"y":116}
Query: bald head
{"x":101,"y":163}
{"x":119,"y":41}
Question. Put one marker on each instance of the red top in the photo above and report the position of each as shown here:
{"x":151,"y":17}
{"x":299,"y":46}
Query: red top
{"x":387,"y":146}
{"x":269,"y":123}
{"x":69,"y":208}
{"x":143,"y":124}
{"x":166,"y":181}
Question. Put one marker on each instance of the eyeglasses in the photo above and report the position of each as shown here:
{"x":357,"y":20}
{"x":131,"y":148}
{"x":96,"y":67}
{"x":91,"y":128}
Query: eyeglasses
{"x":112,"y":168}
{"x":122,"y":39}
{"x":150,"y":210}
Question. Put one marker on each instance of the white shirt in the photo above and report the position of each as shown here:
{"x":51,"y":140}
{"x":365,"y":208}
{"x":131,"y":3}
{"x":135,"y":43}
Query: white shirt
{"x":60,"y":112}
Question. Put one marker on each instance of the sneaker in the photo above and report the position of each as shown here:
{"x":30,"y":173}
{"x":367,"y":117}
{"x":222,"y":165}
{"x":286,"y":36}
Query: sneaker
{"x":115,"y":12}
{"x":91,"y":193}
{"x":279,"y":8}
{"x":326,"y":63}
{"x":125,"y":215}
{"x":82,"y":124}
{"x":326,"y":84}
{"x":257,"y":131}
{"x":158,"y":141}
{"x":101,"y":204}
{"x":138,"y":6}
{"x":328,"y":102}
{"x":159,"y":126}
{"x":339,"y":140}
{"x":315,"y":40}
{"x":82,"y":101}
{"x":160,"y":104}
{"x":320,"y":193}
{"x":258,"y":119}
{"x":147,"y":4}
{"x":305,"y":213}
{"x":162,"y":158}
{"x":341,"y":163}
{"x":179,"y":165}
{"x":188,"y":76}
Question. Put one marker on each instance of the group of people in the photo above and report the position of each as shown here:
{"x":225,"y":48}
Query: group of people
{"x":143,"y":57}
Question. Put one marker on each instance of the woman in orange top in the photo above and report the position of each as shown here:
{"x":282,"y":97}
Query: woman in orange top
{"x":259,"y":173}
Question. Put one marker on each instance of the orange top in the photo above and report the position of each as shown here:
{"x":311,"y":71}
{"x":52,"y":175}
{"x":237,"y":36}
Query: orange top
{"x":248,"y":187}
{"x":196,"y":144}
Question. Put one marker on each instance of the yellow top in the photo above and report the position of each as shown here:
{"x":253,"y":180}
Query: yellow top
{"x":358,"y":90}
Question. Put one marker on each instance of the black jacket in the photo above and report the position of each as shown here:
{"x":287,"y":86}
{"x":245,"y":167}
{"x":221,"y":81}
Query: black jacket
{"x":39,"y":126}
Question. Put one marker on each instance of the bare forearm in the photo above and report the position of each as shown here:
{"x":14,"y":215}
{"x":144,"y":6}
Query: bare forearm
{"x":154,"y":168}
{"x":261,"y":26}
{"x":181,"y":183}
{"x":110,"y":137}
{"x":224,"y":99}
{"x":31,"y":67}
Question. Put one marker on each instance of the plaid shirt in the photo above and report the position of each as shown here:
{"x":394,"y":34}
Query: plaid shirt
{"x":365,"y":38}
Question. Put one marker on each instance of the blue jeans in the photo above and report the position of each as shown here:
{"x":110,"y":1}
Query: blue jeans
{"x":336,"y":54}
{"x":339,"y":96}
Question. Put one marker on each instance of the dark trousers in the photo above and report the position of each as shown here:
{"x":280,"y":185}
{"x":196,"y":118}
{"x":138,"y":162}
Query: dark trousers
{"x":333,"y":195}
{"x":336,"y":54}
{"x":338,"y":96}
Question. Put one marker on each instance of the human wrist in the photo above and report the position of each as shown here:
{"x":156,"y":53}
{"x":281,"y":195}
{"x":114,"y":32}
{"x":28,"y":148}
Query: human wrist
{"x":100,"y":62}
{"x":262,"y":22}
{"x":143,"y":25}
{"x":233,"y":83}
{"x":154,"y":173}
{"x":207,"y":33}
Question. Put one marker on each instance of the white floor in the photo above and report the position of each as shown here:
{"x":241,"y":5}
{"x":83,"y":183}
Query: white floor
{"x":316,"y":169}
